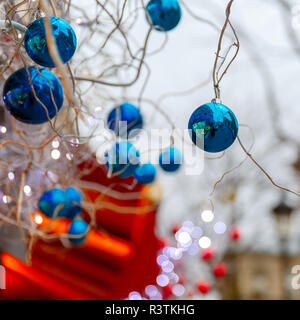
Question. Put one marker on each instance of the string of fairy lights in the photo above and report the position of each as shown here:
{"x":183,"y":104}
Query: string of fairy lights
{"x":189,"y":239}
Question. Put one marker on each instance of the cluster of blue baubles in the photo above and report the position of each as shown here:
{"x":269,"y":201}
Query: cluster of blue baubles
{"x":57,"y":203}
{"x":34,"y":95}
{"x":126,"y":120}
{"x":123,"y":159}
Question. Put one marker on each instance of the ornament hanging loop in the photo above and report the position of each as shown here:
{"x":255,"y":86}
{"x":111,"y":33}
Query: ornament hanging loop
{"x":216,"y":100}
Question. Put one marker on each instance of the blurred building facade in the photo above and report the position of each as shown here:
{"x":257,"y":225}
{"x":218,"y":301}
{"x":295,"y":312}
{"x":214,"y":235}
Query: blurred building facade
{"x":259,"y":275}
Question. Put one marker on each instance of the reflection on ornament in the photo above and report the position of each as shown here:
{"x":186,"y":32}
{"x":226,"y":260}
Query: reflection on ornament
{"x":20,"y":98}
{"x":170,"y":160}
{"x":36,"y":43}
{"x":122,"y":159}
{"x":124,"y":119}
{"x":216,"y":124}
{"x":164,"y":14}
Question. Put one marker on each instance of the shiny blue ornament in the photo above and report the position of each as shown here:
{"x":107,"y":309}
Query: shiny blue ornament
{"x":73,"y":195}
{"x":78,"y":227}
{"x":123,"y":159}
{"x":164,"y":14}
{"x":20,"y":100}
{"x":36,"y":43}
{"x":215,"y":123}
{"x":66,"y":202}
{"x":73,"y":199}
{"x":170,"y":160}
{"x":145,"y":174}
{"x":50,"y":201}
{"x":128,"y":113}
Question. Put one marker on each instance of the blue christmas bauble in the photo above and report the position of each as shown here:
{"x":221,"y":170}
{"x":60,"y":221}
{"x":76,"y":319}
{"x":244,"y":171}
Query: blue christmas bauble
{"x":73,"y":195}
{"x":36,"y":43}
{"x":213,"y":125}
{"x":61,"y":203}
{"x":53,"y":202}
{"x":73,"y":199}
{"x":124,"y":119}
{"x":170,"y":160}
{"x":164,"y":14}
{"x":145,"y":174}
{"x":122,"y":159}
{"x":20,"y":100}
{"x":78,"y":227}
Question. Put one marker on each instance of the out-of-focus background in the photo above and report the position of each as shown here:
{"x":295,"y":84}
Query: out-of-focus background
{"x":239,"y":240}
